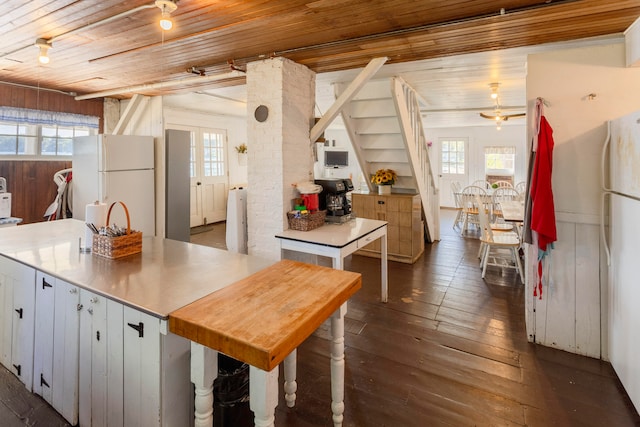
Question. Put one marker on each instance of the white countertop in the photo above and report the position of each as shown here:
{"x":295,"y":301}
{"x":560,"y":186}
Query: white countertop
{"x":167,"y":275}
{"x":335,"y":235}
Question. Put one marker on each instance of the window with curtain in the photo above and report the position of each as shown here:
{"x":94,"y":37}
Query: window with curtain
{"x":499,"y":160}
{"x":34,"y":133}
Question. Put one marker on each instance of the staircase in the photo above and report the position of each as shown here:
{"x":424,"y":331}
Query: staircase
{"x":385,"y":127}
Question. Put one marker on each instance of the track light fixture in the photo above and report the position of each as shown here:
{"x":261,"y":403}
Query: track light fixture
{"x":44,"y":45}
{"x":167,"y":7}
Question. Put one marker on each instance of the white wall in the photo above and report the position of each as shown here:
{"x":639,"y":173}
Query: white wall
{"x":574,"y":303}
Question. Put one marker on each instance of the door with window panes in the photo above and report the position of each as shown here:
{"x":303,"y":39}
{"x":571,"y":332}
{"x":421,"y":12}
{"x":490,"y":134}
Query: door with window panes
{"x":453,"y":167}
{"x":209,"y":176}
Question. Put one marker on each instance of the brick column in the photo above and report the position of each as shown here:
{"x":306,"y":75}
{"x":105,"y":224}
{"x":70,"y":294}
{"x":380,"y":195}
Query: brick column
{"x":279,"y":150}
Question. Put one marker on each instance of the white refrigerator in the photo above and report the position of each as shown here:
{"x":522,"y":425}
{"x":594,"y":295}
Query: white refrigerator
{"x":623,"y":250}
{"x":112,"y":168}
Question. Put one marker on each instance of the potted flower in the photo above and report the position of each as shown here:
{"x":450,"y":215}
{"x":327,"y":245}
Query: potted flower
{"x":242,"y":154}
{"x":384,"y":179}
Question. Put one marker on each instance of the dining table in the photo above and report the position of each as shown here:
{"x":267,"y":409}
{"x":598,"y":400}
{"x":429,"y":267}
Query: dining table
{"x":512,"y":210}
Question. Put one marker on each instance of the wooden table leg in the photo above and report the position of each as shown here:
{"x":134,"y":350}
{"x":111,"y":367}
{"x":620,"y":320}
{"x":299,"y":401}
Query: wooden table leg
{"x":263,"y":395}
{"x":204,"y":370}
{"x":383,"y":269}
{"x":337,"y":365}
{"x":290,"y":384}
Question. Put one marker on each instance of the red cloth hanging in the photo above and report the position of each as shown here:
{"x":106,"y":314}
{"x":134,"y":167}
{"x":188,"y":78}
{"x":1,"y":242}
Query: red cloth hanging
{"x":543,"y":219}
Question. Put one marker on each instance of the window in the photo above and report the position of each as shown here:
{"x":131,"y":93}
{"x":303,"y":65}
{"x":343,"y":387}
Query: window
{"x":213,"y":154}
{"x":33,"y":133}
{"x":453,"y":160}
{"x":499,"y":160}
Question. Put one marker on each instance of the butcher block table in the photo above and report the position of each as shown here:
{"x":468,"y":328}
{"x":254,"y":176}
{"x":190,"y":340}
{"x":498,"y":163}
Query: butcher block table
{"x":261,"y":320}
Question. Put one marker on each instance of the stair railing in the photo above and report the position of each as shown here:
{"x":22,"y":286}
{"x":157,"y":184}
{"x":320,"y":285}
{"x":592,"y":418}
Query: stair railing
{"x":407,"y":102}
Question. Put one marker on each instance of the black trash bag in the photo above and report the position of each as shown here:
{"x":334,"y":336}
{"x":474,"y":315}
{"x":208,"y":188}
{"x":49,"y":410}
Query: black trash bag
{"x":231,"y":394}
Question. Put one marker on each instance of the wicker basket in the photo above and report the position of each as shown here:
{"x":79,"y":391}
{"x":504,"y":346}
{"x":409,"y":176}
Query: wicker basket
{"x":120,"y":246}
{"x":307,"y":221}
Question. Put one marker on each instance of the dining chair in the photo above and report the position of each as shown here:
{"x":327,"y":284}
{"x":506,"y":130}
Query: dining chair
{"x":470,"y":205}
{"x":502,"y":184}
{"x":482,"y":184}
{"x":521,"y":188}
{"x":501,"y":194}
{"x":494,"y":246}
{"x":455,"y":189}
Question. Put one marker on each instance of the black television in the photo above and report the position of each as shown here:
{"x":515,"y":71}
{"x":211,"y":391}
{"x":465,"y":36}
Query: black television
{"x":336,"y":159}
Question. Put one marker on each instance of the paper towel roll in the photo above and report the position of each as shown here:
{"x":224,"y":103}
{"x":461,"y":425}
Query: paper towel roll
{"x":96,"y":214}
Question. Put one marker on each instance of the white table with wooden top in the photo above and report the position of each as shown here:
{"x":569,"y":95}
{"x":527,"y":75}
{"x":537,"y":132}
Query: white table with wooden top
{"x":261,"y":320}
{"x":338,"y":241}
{"x":512,"y":210}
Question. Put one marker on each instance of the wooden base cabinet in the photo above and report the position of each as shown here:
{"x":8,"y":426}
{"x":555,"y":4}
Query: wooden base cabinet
{"x":17,"y":317}
{"x":405,"y":232}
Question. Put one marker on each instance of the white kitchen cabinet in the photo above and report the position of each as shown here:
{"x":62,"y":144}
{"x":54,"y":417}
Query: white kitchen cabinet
{"x":17,"y":318}
{"x":132,"y":372}
{"x":55,"y":364}
{"x":101,"y":363}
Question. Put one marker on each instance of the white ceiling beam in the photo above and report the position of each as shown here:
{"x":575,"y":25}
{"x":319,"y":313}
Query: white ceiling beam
{"x":129,"y":112}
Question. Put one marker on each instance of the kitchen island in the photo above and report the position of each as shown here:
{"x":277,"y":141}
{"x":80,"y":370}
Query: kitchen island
{"x":92,"y":335}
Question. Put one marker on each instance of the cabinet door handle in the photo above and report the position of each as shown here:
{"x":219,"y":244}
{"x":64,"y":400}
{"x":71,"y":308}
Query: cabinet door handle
{"x":79,"y":307}
{"x":139,"y":327}
{"x":381,"y":202}
{"x":19,"y":311}
{"x":18,"y":368}
{"x":43,"y":382}
{"x":45,"y":284}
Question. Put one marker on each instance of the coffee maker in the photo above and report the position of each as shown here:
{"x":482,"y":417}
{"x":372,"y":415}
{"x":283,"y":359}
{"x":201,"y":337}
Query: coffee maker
{"x":334,"y":198}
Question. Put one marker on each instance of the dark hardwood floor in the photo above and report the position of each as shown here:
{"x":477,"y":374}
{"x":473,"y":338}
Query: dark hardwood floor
{"x":448,"y":349}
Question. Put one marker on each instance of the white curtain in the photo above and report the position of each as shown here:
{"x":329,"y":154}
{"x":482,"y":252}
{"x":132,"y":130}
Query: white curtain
{"x":38,"y":117}
{"x":500,"y":150}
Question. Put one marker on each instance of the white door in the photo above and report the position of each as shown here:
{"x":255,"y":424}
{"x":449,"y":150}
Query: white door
{"x":209,"y":176}
{"x":453,"y":167}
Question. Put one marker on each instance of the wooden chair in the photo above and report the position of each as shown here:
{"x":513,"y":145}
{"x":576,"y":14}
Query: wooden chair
{"x":456,"y":187}
{"x":470,"y":206}
{"x":502,"y":184}
{"x":482,"y":184}
{"x":494,"y":245}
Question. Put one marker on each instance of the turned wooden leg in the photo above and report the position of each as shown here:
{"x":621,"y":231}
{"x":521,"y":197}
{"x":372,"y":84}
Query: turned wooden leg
{"x":290,"y":384}
{"x":263,"y":395}
{"x":337,"y":364}
{"x":204,"y":370}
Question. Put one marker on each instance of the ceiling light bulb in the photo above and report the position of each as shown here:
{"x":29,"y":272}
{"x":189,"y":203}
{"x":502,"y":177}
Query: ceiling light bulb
{"x":494,"y":90}
{"x":166,"y":23}
{"x":499,"y":126}
{"x":167,"y":7}
{"x":43,"y":55}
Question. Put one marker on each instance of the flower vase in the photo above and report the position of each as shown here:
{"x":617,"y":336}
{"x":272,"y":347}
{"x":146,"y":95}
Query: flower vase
{"x":384,"y":189}
{"x":242,"y":159}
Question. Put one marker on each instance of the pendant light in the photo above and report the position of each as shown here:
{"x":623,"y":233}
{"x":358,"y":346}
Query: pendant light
{"x":44,"y":45}
{"x":167,"y":7}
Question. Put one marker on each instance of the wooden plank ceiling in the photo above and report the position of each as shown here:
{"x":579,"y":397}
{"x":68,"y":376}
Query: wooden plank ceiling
{"x":325,"y":35}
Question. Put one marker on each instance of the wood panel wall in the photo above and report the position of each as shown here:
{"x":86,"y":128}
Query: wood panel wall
{"x":38,"y":99}
{"x":31,"y":186}
{"x":31,"y":182}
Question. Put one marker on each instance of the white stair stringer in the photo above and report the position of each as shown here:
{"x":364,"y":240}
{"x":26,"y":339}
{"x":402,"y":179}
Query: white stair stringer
{"x":373,"y":124}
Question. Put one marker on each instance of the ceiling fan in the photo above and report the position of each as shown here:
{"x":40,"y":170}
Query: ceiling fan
{"x":497,"y":116}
